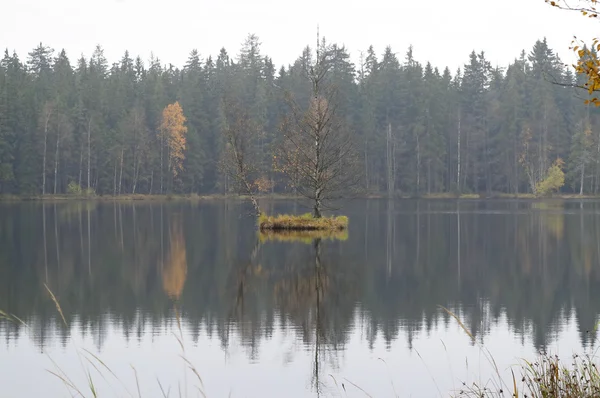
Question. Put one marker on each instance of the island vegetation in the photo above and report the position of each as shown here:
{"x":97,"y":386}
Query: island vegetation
{"x":306,"y":222}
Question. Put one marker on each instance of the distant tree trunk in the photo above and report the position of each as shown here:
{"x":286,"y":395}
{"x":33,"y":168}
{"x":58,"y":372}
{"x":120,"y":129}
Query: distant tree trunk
{"x":121,"y":171}
{"x":89,"y":156}
{"x":488,"y":170}
{"x":428,"y":139}
{"x":366,"y":163}
{"x":418,"y":165}
{"x":516,"y":166}
{"x":56,"y":158}
{"x":317,"y":207}
{"x":151,"y":182}
{"x":79,"y":211}
{"x":47,"y":121}
{"x":545,"y":143}
{"x":115,"y":180}
{"x":468,"y":165}
{"x":80,"y":164}
{"x":597,"y":164}
{"x":161,"y":162}
{"x":170,"y":174}
{"x":390,"y":162}
{"x":429,"y":176}
{"x":582,"y":177}
{"x":458,"y":186}
{"x":56,"y":239}
{"x":136,"y":171}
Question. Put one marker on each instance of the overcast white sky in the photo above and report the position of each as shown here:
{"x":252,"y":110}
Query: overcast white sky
{"x":441,"y":31}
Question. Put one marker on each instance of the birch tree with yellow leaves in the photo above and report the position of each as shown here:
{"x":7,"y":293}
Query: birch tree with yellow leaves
{"x":172,"y":131}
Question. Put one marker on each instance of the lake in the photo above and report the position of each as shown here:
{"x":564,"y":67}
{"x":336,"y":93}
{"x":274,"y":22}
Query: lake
{"x":146,"y":286}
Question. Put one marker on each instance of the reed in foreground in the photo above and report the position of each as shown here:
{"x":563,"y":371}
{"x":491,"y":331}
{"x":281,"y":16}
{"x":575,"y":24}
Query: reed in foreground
{"x":92,"y":366}
{"x":547,"y":377}
{"x":304,"y":222}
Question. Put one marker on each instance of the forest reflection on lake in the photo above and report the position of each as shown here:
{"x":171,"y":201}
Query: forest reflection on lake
{"x":294,"y":317}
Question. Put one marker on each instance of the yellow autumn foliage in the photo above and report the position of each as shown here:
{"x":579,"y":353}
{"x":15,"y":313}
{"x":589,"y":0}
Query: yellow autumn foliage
{"x":555,"y":179}
{"x":588,"y":63}
{"x":173,"y":130}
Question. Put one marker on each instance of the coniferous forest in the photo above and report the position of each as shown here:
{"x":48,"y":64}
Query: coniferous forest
{"x":78,"y":125}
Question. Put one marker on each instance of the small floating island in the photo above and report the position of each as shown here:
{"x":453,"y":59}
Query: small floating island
{"x":305,"y":222}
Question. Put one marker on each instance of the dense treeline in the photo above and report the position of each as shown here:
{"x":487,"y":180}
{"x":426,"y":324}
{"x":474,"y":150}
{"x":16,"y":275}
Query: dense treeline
{"x":419,"y":129}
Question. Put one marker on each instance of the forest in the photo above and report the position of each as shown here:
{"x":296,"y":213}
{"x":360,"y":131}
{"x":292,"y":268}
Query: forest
{"x":88,"y":126}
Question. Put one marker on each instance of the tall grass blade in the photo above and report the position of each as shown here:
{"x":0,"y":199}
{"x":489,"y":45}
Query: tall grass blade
{"x":462,"y":325}
{"x":66,"y":383}
{"x":12,"y":318}
{"x":200,"y":391}
{"x":515,"y":390}
{"x":137,"y":381}
{"x":63,"y":376}
{"x":57,"y":305}
{"x":336,"y":384}
{"x":21,"y":321}
{"x":429,"y":372}
{"x":364,"y":392}
{"x":193,"y":369}
{"x":390,"y":376}
{"x":94,"y":356}
{"x":162,"y":390}
{"x":91,"y":385}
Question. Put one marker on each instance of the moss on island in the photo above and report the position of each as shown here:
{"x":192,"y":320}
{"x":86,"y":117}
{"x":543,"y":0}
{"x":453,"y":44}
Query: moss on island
{"x":305,"y":222}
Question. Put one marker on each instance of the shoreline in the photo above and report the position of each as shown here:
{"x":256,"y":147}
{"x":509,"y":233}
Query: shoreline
{"x":213,"y":197}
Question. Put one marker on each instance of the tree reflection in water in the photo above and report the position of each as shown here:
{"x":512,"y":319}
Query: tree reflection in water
{"x":535,"y":263}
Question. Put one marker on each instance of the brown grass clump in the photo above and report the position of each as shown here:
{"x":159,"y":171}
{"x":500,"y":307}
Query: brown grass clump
{"x":305,"y":222}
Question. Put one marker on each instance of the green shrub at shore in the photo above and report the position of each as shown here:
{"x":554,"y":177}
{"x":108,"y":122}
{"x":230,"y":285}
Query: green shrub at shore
{"x":305,"y":222}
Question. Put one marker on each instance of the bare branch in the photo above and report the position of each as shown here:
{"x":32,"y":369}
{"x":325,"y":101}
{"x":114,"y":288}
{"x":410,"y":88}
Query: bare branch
{"x":239,"y":133}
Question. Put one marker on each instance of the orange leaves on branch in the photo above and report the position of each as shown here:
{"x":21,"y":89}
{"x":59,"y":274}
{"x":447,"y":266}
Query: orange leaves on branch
{"x":173,"y":130}
{"x":588,"y":64}
{"x":585,"y":7}
{"x":263,"y":184}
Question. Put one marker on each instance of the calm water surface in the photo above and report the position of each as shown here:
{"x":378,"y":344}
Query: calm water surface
{"x":293,"y":319}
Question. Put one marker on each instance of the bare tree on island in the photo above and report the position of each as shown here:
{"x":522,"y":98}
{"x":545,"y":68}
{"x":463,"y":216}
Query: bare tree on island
{"x":317,"y":154}
{"x":239,"y":158}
